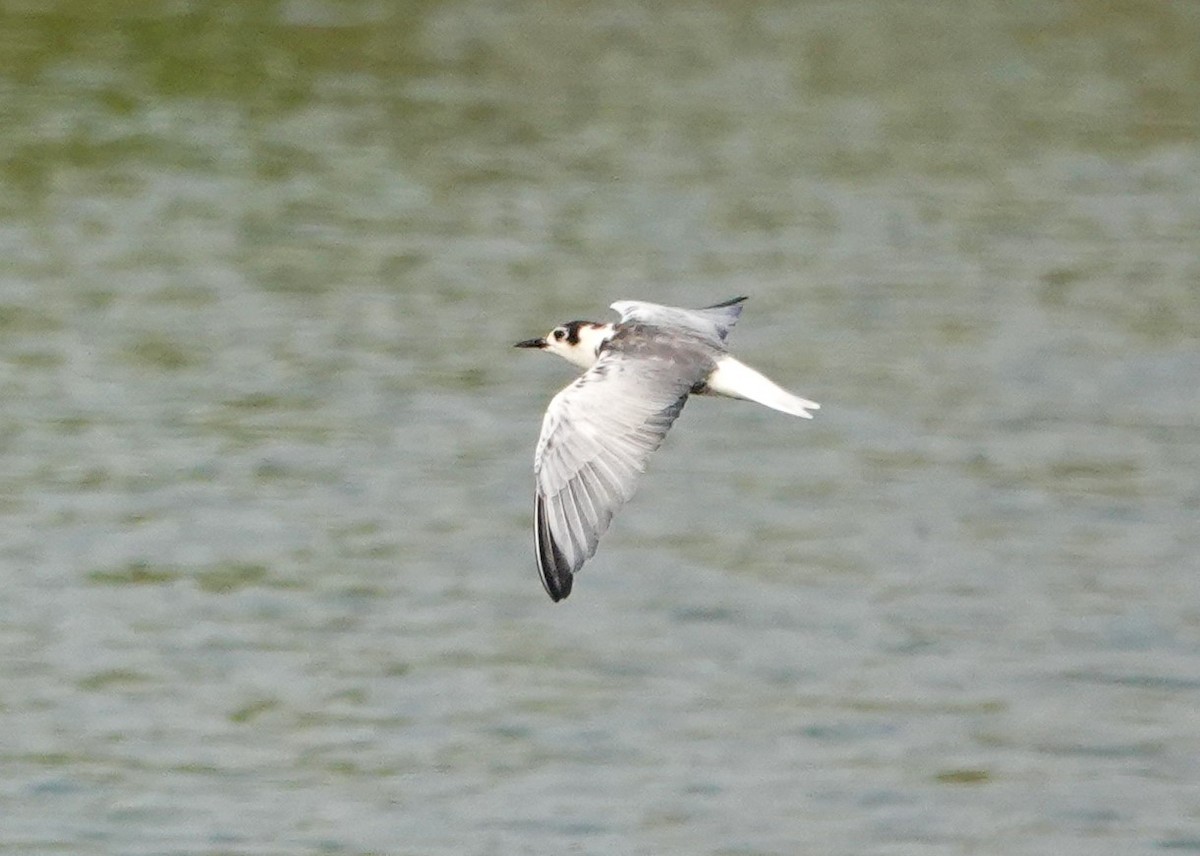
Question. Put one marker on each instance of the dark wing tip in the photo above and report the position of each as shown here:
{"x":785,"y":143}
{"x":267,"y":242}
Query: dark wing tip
{"x":733,"y":301}
{"x":553,"y":566}
{"x":559,"y":588}
{"x":724,"y":315}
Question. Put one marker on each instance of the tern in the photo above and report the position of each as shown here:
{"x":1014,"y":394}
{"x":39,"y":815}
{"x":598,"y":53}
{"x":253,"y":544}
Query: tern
{"x":599,"y":431}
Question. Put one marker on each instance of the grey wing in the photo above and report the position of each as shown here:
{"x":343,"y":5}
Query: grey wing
{"x":596,"y":437}
{"x":711,"y":322}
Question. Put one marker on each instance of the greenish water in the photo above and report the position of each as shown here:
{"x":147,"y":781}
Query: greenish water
{"x":265,"y":446}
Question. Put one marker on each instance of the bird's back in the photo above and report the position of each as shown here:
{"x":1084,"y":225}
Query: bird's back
{"x":665,"y":349}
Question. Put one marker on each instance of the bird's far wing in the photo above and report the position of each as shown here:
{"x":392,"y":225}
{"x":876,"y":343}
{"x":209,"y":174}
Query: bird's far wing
{"x":711,"y":322}
{"x":596,"y":438}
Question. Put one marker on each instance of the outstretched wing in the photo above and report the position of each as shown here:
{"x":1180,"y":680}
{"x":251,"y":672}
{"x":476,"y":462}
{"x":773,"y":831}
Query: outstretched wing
{"x":596,"y":438}
{"x":711,"y":322}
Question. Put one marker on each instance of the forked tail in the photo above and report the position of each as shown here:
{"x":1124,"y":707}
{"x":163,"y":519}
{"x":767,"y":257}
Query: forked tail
{"x":737,"y":380}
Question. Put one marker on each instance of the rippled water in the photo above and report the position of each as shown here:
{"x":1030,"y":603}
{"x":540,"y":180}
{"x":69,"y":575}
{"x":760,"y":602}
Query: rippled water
{"x":265,"y":446}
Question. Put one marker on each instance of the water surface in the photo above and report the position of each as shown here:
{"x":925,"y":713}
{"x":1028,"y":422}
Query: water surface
{"x":265,"y":448}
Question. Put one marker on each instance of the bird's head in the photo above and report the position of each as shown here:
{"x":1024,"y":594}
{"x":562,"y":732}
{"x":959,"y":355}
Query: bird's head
{"x":577,"y":342}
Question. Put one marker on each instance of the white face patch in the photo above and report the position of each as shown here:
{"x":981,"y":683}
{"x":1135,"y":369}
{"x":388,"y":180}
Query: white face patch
{"x":591,"y":338}
{"x":583,"y":350}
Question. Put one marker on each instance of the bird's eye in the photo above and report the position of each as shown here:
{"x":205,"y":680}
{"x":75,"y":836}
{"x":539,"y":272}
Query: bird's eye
{"x":559,"y":333}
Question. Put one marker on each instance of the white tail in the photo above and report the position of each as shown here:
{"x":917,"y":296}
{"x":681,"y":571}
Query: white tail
{"x":737,"y":380}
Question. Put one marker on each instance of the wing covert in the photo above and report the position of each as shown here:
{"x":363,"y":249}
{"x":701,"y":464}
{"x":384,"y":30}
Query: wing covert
{"x":711,"y":322}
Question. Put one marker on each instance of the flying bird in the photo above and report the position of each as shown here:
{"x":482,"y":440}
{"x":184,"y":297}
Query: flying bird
{"x":599,"y":431}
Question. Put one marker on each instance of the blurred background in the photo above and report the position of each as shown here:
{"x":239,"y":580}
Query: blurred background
{"x":265,"y":447}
